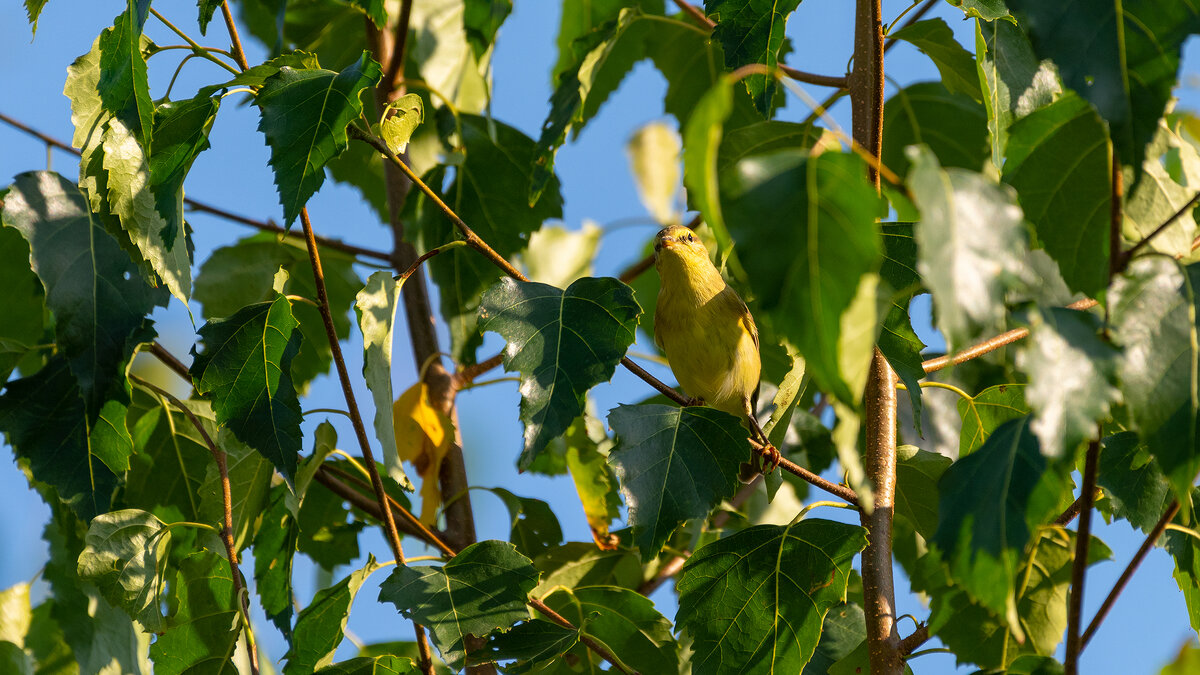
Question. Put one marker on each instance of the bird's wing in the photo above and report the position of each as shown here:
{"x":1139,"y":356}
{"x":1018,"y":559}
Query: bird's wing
{"x":747,"y":320}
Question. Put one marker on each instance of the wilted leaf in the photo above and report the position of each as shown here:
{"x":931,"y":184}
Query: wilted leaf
{"x":423,"y":435}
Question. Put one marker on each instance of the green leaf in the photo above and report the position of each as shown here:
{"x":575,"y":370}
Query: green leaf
{"x":532,"y":524}
{"x":1122,"y":57}
{"x":988,"y":10}
{"x":527,"y":644}
{"x":15,"y":610}
{"x":1157,"y":197}
{"x":481,"y":20}
{"x":1042,"y":579}
{"x":249,"y":481}
{"x":33,"y":9}
{"x":576,"y":564}
{"x":1132,"y":481}
{"x":180,"y":134}
{"x":89,"y":281}
{"x":674,"y":464}
{"x":372,"y":665}
{"x":1058,"y":161}
{"x":761,"y":138}
{"x":955,"y":64}
{"x":897,"y":340}
{"x":971,"y":243}
{"x":1072,"y":378}
{"x":123,"y":85}
{"x":952,"y":125}
{"x":321,"y":626}
{"x":375,"y":306}
{"x":842,"y":631}
{"x":489,"y":194}
{"x":122,"y":557}
{"x":238,"y":275}
{"x":327,"y":534}
{"x":22,"y":305}
{"x":757,"y":598}
{"x":684,"y":54}
{"x":245,"y":370}
{"x":986,"y":411}
{"x":274,"y":551}
{"x":1186,"y":661}
{"x":1015,"y":83}
{"x":481,"y":589}
{"x":752,"y":32}
{"x":581,"y":25}
{"x":204,"y":626}
{"x":563,"y":342}
{"x":207,"y":7}
{"x":595,"y":481}
{"x":558,"y":256}
{"x":398,"y":128}
{"x":702,"y":142}
{"x":44,"y":420}
{"x":1153,"y":305}
{"x":126,"y":174}
{"x":810,"y":296}
{"x":917,"y":475}
{"x":991,"y":503}
{"x":170,"y":457}
{"x":304,"y":118}
{"x":624,"y":621}
{"x":256,"y":76}
{"x":374,"y":9}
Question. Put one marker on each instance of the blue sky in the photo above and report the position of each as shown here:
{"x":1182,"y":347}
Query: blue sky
{"x":1149,"y":623}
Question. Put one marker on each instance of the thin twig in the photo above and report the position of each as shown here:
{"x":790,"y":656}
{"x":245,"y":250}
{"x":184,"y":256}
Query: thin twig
{"x":1128,"y":573}
{"x":231,"y":552}
{"x":196,"y":205}
{"x":470,"y":373}
{"x":991,"y":344}
{"x":239,"y":54}
{"x":1073,"y":510}
{"x":1080,"y":563}
{"x":403,"y":276}
{"x":917,"y":638}
{"x":591,"y":644}
{"x":168,"y":359}
{"x":835,"y":81}
{"x":696,"y":13}
{"x":1128,"y":255}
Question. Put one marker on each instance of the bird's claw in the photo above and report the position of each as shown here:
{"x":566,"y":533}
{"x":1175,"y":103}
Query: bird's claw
{"x":693,"y":401}
{"x":771,"y":458}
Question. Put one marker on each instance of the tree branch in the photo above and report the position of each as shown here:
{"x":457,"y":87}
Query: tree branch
{"x":231,"y":552}
{"x":991,"y":344}
{"x":196,"y":205}
{"x":1125,"y":257}
{"x":1119,"y":586}
{"x":1079,"y":564}
{"x":239,"y":54}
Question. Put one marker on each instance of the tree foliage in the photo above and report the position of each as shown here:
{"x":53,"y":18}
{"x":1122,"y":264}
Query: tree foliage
{"x":1035,"y":190}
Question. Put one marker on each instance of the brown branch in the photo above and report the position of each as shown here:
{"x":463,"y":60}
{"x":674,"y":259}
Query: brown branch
{"x":914,"y":641}
{"x":835,"y":81}
{"x":407,"y":522}
{"x":696,"y":13}
{"x":591,"y":644}
{"x":991,"y":344}
{"x":231,"y":552}
{"x":403,"y":276}
{"x":887,"y":44}
{"x":168,"y":359}
{"x":1080,"y":563}
{"x":1119,"y":586}
{"x":470,"y":373}
{"x":196,"y":205}
{"x":239,"y":54}
{"x":1073,"y":510}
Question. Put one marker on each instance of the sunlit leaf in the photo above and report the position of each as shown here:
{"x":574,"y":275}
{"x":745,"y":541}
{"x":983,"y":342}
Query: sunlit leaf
{"x":123,"y":85}
{"x":304,"y":118}
{"x":423,"y":435}
{"x":955,"y":64}
{"x":375,"y":306}
{"x":654,"y":153}
{"x":481,"y":20}
{"x":986,"y":411}
{"x":1014,"y":82}
{"x":563,"y":342}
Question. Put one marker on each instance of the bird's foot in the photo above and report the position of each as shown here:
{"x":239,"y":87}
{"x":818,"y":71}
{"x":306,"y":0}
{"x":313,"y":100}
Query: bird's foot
{"x":693,"y":401}
{"x":771,"y":458}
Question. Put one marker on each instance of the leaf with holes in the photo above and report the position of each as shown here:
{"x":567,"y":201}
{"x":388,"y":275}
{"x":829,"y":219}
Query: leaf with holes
{"x":757,"y":598}
{"x":563,"y":342}
{"x":304,"y":118}
{"x":674,"y":464}
{"x":483,"y":588}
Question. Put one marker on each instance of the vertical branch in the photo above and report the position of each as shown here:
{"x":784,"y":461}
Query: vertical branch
{"x":866,"y":101}
{"x":460,"y":518}
{"x":1079,"y":565}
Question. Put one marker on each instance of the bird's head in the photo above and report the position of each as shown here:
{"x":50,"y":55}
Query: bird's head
{"x":677,"y":240}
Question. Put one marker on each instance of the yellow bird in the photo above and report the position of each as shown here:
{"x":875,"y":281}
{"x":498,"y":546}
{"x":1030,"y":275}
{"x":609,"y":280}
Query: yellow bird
{"x":706,"y":330}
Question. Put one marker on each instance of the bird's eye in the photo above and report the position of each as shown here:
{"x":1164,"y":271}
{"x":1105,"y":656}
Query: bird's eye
{"x":691,"y":238}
